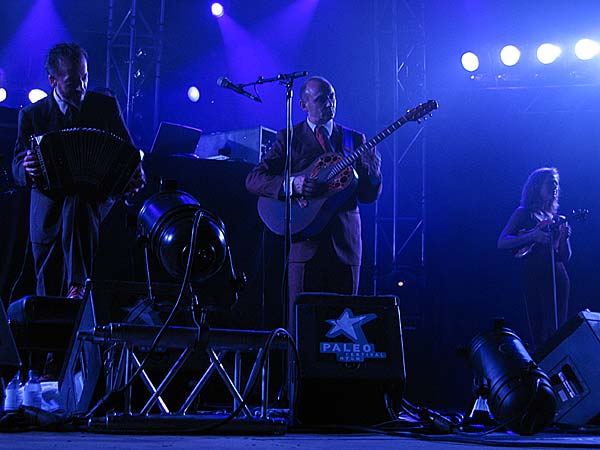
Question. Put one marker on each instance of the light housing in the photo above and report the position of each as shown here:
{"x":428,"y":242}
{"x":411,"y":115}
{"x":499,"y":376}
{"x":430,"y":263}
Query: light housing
{"x":520,"y":395}
{"x":166,"y":222}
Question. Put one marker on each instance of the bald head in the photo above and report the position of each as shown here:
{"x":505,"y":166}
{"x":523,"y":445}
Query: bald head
{"x":317,"y":98}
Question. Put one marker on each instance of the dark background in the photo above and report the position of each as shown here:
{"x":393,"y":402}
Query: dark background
{"x":484,"y":140}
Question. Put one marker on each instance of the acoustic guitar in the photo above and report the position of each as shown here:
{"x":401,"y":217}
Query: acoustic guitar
{"x":310,"y":215}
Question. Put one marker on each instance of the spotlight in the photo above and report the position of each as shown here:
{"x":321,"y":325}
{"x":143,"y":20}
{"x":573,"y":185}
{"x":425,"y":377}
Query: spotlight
{"x":520,"y":395}
{"x":586,"y":49}
{"x":36,"y":95}
{"x":217,"y":9}
{"x":2,"y":94}
{"x":510,"y":55}
{"x":193,"y":94}
{"x":548,"y":53}
{"x":470,"y":62}
{"x":168,"y":221}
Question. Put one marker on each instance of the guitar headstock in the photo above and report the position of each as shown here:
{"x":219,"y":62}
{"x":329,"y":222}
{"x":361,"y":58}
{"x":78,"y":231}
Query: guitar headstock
{"x":423,"y":109}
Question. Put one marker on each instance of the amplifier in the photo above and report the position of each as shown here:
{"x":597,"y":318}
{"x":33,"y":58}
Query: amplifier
{"x":248,"y":144}
{"x":351,"y":358}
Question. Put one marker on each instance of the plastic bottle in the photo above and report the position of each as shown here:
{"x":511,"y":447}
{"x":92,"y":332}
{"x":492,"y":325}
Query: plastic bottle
{"x":32,"y":391}
{"x":13,"y":396}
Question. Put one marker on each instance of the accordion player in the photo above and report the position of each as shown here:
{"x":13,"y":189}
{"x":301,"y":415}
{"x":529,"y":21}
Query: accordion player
{"x":86,"y":161}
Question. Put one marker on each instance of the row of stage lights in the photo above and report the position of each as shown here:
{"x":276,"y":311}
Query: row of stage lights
{"x":34,"y":95}
{"x":510,"y":55}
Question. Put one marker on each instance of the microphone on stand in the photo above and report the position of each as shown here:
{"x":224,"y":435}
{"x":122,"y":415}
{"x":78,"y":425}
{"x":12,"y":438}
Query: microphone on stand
{"x":284,"y":76}
{"x":224,"y":82}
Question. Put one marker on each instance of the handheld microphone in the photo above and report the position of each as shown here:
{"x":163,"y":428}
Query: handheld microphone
{"x":224,"y":82}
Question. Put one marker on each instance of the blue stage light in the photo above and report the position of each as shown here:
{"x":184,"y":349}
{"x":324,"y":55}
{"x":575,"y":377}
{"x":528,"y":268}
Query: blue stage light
{"x":193,"y":94}
{"x":3,"y":94}
{"x":217,"y":9}
{"x":586,"y":49}
{"x":36,"y":95}
{"x":510,"y":55}
{"x":470,"y":61}
{"x":548,"y":53}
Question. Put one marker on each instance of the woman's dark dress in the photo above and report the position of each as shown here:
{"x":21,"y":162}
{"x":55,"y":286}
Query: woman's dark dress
{"x":538,"y":286}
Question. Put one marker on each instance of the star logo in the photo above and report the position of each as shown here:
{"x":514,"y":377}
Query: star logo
{"x":349,"y":325}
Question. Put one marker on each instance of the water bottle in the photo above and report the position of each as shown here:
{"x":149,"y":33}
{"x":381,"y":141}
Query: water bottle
{"x":32,"y":391}
{"x":13,"y":397}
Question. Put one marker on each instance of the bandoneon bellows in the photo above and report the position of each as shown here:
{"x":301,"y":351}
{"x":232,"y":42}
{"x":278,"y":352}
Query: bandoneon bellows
{"x":85,"y":160}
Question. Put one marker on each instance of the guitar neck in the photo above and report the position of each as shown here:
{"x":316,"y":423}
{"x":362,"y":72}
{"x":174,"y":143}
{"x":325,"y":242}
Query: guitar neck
{"x":351,"y":158}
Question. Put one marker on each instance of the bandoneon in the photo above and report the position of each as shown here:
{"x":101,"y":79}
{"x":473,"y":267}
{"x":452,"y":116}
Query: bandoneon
{"x":85,"y":160}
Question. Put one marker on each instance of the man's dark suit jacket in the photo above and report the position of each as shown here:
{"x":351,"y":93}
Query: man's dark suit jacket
{"x":97,"y":111}
{"x":344,"y":229}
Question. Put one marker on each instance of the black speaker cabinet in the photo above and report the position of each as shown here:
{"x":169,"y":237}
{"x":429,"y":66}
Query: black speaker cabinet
{"x":351,"y":358}
{"x":571,"y":358}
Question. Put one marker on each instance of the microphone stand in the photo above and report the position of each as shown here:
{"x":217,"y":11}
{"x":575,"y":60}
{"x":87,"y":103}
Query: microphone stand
{"x":287,"y":80}
{"x":553,"y":262}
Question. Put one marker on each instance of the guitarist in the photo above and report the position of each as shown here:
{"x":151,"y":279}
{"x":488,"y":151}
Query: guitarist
{"x":533,"y":224}
{"x":329,"y":261}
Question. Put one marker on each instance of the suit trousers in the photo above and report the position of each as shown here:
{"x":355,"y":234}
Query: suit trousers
{"x":322,"y":273}
{"x":65,"y":255}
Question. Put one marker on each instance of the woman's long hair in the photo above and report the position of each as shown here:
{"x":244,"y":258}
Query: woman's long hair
{"x":530,"y":196}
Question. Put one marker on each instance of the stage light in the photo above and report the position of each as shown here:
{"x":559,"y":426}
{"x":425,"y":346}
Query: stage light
{"x":2,"y":94}
{"x":193,"y":94}
{"x":586,"y":49}
{"x":548,"y":53}
{"x":510,"y":55}
{"x":217,"y":9}
{"x":36,"y":95}
{"x":170,"y":223}
{"x":519,"y":393}
{"x":470,"y":61}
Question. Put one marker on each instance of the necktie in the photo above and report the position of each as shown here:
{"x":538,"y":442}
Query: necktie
{"x":323,"y":138}
{"x":71,"y":115}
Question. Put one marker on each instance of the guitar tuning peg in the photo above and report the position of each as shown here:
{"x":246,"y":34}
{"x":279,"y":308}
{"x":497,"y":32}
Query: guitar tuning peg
{"x":419,"y":121}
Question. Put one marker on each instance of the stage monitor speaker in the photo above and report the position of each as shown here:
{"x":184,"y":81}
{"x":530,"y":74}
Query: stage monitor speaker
{"x":351,"y":359}
{"x":571,"y":358}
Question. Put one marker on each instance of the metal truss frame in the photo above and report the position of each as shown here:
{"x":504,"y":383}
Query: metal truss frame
{"x":399,"y":234}
{"x":125,"y":343}
{"x":133,"y":47}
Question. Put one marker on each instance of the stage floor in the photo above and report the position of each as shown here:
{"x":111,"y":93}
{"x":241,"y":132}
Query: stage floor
{"x":79,"y":441}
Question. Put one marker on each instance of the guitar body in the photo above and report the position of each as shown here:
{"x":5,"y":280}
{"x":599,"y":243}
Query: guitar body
{"x":310,"y":215}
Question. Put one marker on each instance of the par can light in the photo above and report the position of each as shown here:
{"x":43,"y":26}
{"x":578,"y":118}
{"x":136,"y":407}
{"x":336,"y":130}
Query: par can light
{"x":520,"y":395}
